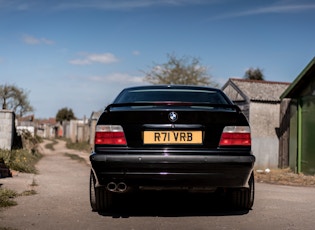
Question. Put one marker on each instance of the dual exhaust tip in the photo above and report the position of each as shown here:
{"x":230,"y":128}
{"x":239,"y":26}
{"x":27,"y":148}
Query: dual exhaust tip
{"x":117,"y":187}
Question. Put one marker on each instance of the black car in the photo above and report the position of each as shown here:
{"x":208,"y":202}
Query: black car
{"x":172,"y":137}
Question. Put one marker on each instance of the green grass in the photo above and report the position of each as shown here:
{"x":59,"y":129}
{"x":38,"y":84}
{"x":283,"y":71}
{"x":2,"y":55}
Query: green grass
{"x":75,"y":157}
{"x":7,"y":198}
{"x":21,"y":160}
{"x":7,"y":195}
{"x":28,"y":193}
{"x":24,"y":160}
{"x":51,"y":145}
{"x":80,"y":146}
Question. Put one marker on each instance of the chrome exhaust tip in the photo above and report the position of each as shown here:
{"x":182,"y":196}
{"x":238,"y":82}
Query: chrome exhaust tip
{"x":121,"y":187}
{"x":112,"y":186}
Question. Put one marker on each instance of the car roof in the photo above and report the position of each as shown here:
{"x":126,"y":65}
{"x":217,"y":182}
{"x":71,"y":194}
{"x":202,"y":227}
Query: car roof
{"x":172,"y":87}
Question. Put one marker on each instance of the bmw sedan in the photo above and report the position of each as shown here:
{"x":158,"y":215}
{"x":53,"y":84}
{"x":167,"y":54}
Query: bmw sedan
{"x":175,"y":137}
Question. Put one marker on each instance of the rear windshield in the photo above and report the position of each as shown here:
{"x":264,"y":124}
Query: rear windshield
{"x":174,"y":95}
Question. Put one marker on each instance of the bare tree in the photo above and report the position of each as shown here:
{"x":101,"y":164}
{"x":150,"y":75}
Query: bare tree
{"x":6,"y":94}
{"x":185,"y":71}
{"x":16,"y":99}
{"x":254,"y":74}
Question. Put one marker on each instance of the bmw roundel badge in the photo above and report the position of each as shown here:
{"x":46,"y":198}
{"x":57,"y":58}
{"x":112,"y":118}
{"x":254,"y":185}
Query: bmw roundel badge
{"x":172,"y":116}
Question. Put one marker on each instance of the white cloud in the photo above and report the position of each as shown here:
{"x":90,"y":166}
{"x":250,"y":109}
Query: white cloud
{"x":127,"y":4}
{"x":105,"y":58}
{"x":31,"y":40}
{"x":275,"y":9}
{"x":23,"y":7}
{"x":136,"y":53}
{"x":279,"y":9}
{"x":34,"y":5}
{"x":118,"y":77}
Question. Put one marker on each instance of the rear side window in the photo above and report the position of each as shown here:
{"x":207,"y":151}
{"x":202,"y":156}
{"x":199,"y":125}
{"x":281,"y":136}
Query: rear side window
{"x":175,"y":95}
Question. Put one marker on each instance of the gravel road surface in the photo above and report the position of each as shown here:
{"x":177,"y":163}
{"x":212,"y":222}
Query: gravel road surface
{"x":62,"y":202}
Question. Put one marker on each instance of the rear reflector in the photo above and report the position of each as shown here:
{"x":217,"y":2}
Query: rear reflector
{"x":236,"y":136}
{"x":109,"y":135}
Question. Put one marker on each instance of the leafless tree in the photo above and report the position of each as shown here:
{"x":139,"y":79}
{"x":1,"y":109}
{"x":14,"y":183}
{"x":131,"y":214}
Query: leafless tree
{"x":184,"y":71}
{"x":16,"y":99}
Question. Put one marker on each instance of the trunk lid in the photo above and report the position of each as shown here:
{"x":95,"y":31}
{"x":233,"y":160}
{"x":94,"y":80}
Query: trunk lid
{"x":152,"y":126}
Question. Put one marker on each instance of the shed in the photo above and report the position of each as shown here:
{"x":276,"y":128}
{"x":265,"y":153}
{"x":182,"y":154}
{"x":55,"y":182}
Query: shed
{"x":302,"y":120}
{"x":260,"y":102}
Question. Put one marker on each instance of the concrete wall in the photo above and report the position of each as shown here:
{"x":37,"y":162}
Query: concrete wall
{"x":92,"y":131}
{"x":7,"y":129}
{"x":264,"y":119}
{"x":77,"y":130}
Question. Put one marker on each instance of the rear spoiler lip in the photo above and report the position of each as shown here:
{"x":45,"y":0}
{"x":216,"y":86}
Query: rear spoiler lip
{"x":225,"y":106}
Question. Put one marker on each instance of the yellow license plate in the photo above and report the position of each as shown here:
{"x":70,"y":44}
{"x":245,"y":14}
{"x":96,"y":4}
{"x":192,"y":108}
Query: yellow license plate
{"x":172,"y":137}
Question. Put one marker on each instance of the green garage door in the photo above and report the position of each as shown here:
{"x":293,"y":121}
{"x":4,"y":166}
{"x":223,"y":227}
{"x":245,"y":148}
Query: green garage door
{"x":308,"y":135}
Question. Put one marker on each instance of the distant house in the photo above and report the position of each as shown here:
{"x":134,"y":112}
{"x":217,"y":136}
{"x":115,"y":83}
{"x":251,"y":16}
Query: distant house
{"x":26,"y":123}
{"x":302,"y":120}
{"x":46,"y":128}
{"x":260,"y":102}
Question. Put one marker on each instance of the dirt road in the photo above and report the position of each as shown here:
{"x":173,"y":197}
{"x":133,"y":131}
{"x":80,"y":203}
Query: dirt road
{"x":62,"y":199}
{"x":62,"y":202}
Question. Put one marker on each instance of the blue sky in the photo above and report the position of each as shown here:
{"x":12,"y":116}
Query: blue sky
{"x":80,"y":54}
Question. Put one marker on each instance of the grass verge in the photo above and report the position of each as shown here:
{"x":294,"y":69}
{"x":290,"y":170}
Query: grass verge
{"x":51,"y":145}
{"x":22,"y":160}
{"x":285,"y":177}
{"x":75,"y":157}
{"x":7,"y":198}
{"x":80,"y":146}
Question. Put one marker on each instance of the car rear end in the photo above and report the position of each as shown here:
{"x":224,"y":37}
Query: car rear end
{"x":172,"y":137}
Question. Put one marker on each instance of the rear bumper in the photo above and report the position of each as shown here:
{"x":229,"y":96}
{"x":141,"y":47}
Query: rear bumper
{"x":164,"y":170}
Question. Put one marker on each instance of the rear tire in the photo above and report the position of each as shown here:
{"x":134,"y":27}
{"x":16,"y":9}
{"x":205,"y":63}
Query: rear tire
{"x":244,"y":198}
{"x":100,"y":198}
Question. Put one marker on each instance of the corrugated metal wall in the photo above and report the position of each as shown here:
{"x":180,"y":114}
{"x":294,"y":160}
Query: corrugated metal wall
{"x":293,"y":144}
{"x":308,"y":135}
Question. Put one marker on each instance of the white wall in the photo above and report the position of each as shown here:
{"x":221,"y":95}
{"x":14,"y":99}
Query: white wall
{"x":6,"y":129}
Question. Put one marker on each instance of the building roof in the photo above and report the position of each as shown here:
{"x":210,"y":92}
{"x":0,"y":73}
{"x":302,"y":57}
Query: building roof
{"x":301,"y":81}
{"x":49,"y":121}
{"x":258,"y":90}
{"x":27,"y":118}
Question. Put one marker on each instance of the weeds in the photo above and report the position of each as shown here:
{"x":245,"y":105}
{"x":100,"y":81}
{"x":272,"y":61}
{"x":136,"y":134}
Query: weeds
{"x":21,"y":160}
{"x":75,"y":157}
{"x":285,"y":177}
{"x":33,"y":183}
{"x":6,"y":198}
{"x":7,"y":195}
{"x":51,"y":145}
{"x":28,"y":193}
{"x":80,"y":146}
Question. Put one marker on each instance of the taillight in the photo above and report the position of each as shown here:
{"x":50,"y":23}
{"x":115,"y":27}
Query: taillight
{"x":235,"y":136}
{"x":109,"y":135}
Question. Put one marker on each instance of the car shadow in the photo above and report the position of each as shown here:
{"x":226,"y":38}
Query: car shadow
{"x":171,"y":204}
